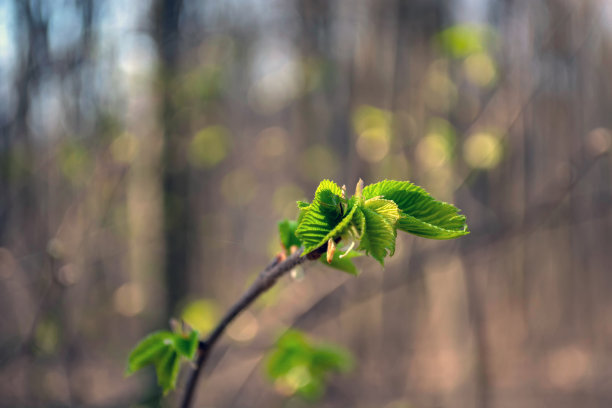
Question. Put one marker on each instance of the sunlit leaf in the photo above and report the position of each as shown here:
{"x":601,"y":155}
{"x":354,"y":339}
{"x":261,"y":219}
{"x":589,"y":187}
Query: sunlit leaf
{"x":379,"y":237}
{"x":329,"y":357}
{"x":344,"y":264}
{"x":286,"y":229}
{"x":322,"y":217}
{"x":421,"y":214}
{"x":149,"y":350}
{"x":187,"y":346}
{"x":386,"y":208}
{"x":167,"y":369}
{"x":164,"y":349}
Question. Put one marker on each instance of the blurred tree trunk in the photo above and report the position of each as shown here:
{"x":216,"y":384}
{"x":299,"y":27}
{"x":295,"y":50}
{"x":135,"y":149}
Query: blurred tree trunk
{"x":17,"y":182}
{"x":175,"y":176}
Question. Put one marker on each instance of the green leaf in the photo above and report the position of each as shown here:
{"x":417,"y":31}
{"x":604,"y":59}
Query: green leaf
{"x":379,"y":237}
{"x":164,"y":350}
{"x":301,"y":366}
{"x":286,"y":230}
{"x":167,"y":369}
{"x":328,"y":357}
{"x":313,"y":389}
{"x":302,"y":207}
{"x":187,"y":346}
{"x":149,"y":350}
{"x":344,"y":264}
{"x":385,"y":208}
{"x":291,"y":349}
{"x":420,"y":213}
{"x":322,"y":219}
{"x":359,"y":223}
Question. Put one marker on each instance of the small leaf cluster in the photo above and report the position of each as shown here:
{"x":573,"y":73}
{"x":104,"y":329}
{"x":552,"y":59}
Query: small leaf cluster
{"x":164,"y":350}
{"x":369,"y":220}
{"x":297,"y":365}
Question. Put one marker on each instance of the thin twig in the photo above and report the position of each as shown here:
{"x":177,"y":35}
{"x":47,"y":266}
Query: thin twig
{"x":264,"y":281}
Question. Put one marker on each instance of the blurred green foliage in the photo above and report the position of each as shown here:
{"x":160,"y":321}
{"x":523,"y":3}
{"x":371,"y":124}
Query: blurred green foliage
{"x":297,"y":365}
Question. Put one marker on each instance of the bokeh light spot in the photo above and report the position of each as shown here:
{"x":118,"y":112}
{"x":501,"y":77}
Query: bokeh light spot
{"x":480,"y":69}
{"x":482,"y":150}
{"x":567,"y":367}
{"x":368,"y":117}
{"x":298,"y":377}
{"x":272,"y":142}
{"x":440,"y":90}
{"x":209,"y":146}
{"x":462,"y":40}
{"x":244,"y":328}
{"x":276,"y":89}
{"x":373,"y":144}
{"x":373,"y":127}
{"x":129,"y":299}
{"x":68,"y":274}
{"x":201,"y":314}
{"x":599,"y":141}
{"x":433,"y":151}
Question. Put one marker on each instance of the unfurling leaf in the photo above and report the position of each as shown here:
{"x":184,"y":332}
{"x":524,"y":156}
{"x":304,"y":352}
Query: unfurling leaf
{"x":187,"y":346}
{"x":420,"y":213}
{"x":164,"y":350}
{"x":286,"y":229}
{"x":321,"y":217}
{"x":378,"y":239}
{"x":167,"y":369}
{"x":148,"y":350}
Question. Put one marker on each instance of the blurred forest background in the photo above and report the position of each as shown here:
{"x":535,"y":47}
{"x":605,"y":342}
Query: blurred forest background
{"x":148,"y":148}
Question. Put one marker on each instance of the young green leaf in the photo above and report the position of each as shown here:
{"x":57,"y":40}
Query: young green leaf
{"x":359,"y":222}
{"x":328,"y":357}
{"x":320,"y":220}
{"x":149,"y":350}
{"x":286,"y":230}
{"x":385,"y":208}
{"x":167,"y":369}
{"x":164,"y":350}
{"x":379,"y":237}
{"x":421,"y":214}
{"x":344,"y":264}
{"x":187,"y":346}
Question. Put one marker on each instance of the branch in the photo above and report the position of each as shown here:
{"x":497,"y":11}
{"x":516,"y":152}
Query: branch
{"x":264,"y":281}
